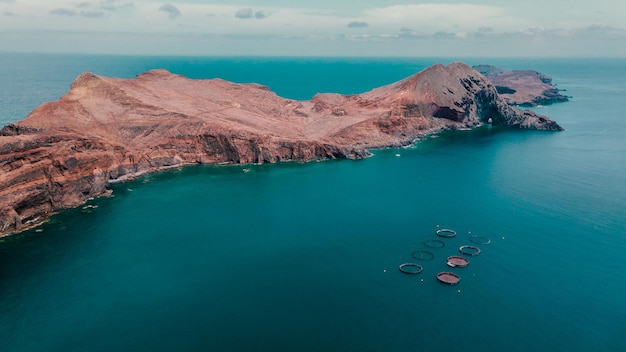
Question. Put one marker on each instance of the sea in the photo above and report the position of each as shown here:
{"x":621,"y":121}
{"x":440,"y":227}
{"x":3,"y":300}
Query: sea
{"x":305,"y":256}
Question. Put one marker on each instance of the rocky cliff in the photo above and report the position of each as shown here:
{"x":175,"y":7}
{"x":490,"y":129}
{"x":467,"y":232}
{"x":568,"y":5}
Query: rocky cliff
{"x":523,"y":87}
{"x":106,"y":130}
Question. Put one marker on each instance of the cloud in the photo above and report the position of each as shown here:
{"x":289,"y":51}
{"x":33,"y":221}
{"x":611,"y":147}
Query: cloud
{"x":170,"y":9}
{"x":249,"y":13}
{"x":7,"y":1}
{"x":406,"y":33}
{"x":532,"y":31}
{"x":444,"y":35}
{"x":106,"y":5}
{"x":244,"y":13}
{"x":114,"y":5}
{"x":92,"y":14}
{"x":602,"y":31}
{"x":357,"y":24}
{"x":9,"y":14}
{"x":451,"y":27}
{"x":63,"y":12}
{"x":438,"y":17}
{"x":81,"y":13}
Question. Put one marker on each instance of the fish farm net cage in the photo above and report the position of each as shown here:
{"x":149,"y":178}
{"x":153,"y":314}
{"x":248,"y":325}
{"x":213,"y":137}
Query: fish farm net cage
{"x":469,"y":250}
{"x":446,"y":233}
{"x":456,"y":261}
{"x":423,"y":255}
{"x":410,"y":268}
{"x":482,"y":240}
{"x":448,"y":278}
{"x":434,"y":244}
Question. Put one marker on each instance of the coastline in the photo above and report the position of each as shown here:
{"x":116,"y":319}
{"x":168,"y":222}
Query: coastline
{"x":33,"y":224}
{"x":109,"y":130}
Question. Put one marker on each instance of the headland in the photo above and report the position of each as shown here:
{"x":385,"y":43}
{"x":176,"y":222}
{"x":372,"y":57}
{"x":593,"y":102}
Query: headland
{"x":523,"y":87}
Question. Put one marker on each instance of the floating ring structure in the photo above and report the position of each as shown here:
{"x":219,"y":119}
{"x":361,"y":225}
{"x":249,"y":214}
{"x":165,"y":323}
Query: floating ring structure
{"x":423,"y":255}
{"x":470,"y":250}
{"x":455,"y":261}
{"x":447,"y":233}
{"x":479,"y":240}
{"x":448,"y":278}
{"x":434,"y":244}
{"x":410,"y":268}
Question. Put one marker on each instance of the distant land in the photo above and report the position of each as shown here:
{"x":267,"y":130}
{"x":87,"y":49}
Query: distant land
{"x":523,"y":87}
{"x":106,"y":130}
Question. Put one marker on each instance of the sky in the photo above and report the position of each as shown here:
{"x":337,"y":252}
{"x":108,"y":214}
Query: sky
{"x":387,"y":28}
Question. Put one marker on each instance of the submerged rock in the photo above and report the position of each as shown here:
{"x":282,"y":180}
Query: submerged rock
{"x":106,"y":130}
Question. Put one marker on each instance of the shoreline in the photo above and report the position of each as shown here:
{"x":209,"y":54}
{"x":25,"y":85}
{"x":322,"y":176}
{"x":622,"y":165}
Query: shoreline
{"x":132,"y":177}
{"x":111,"y":130}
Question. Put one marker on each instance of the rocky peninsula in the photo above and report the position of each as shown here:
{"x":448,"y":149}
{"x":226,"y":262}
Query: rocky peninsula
{"x":106,"y":130}
{"x":523,"y":87}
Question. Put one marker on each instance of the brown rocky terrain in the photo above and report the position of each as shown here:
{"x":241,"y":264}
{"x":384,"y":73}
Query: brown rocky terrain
{"x":523,"y":87}
{"x":106,"y":130}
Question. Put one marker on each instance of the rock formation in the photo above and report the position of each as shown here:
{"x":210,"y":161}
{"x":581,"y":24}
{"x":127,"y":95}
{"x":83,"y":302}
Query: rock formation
{"x":106,"y":130}
{"x":523,"y":87}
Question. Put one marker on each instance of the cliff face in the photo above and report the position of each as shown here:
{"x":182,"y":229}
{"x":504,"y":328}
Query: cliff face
{"x":106,"y":130}
{"x":523,"y":87}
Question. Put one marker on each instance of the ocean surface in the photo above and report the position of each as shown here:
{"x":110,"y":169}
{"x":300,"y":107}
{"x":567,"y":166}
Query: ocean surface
{"x":304,"y":257}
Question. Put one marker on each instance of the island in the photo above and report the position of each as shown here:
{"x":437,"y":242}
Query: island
{"x":523,"y":87}
{"x":106,"y":130}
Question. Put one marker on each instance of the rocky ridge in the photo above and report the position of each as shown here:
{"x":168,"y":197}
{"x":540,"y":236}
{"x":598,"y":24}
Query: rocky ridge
{"x":106,"y":130}
{"x":523,"y":87}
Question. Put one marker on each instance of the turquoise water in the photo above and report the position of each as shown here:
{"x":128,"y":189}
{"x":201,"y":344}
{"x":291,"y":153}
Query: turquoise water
{"x":304,"y":257}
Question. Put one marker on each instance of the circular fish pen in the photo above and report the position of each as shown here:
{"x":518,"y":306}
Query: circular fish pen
{"x":479,"y":240}
{"x":446,"y":233}
{"x":472,"y":251}
{"x":455,"y":261}
{"x":434,"y":244}
{"x":423,"y":255}
{"x":448,"y":278}
{"x":410,"y":268}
